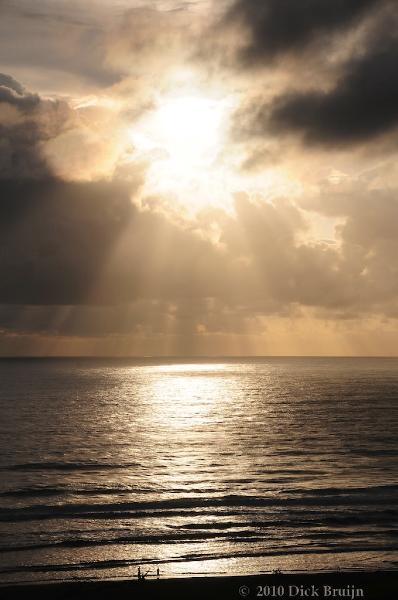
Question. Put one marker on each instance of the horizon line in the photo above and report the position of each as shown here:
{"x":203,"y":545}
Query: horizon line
{"x":190,"y":356}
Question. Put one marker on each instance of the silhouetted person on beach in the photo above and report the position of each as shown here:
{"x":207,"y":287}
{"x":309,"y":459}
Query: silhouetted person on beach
{"x":157,"y":573}
{"x":142,"y":576}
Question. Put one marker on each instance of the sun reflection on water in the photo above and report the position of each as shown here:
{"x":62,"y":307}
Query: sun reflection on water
{"x":191,"y":368}
{"x":188,"y":398}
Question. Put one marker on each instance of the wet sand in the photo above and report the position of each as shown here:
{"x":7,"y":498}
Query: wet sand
{"x":380,"y":585}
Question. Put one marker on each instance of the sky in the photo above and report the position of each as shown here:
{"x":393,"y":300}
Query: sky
{"x":209,"y":177}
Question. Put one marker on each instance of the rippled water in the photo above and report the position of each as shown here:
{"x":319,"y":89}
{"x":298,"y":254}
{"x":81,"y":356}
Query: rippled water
{"x":235,"y":466}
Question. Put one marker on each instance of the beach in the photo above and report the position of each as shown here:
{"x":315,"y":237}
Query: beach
{"x":378,"y":585}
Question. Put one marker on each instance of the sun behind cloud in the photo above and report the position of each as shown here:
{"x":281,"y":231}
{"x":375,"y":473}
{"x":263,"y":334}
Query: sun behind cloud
{"x":184,"y":137}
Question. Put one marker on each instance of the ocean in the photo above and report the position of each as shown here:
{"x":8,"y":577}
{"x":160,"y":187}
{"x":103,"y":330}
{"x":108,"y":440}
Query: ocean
{"x":196,"y":467}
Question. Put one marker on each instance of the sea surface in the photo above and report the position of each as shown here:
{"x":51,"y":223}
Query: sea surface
{"x":196,"y":466}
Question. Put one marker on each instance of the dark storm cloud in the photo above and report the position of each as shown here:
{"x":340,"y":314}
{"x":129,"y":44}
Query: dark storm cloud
{"x":363,"y":104}
{"x":55,"y":237}
{"x":9,"y":82}
{"x":279,"y":26}
{"x":54,"y":234}
{"x":19,"y":153}
{"x":86,"y":243}
{"x":11,"y":85}
{"x":12,"y":93}
{"x":27,"y":120}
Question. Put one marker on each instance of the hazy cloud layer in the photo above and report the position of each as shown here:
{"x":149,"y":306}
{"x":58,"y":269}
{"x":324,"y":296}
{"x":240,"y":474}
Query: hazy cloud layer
{"x":86,"y":243}
{"x":65,"y":41}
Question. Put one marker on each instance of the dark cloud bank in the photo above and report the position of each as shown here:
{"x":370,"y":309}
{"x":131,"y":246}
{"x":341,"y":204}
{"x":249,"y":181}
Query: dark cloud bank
{"x":279,"y":26}
{"x":363,"y":105}
{"x":363,"y":102}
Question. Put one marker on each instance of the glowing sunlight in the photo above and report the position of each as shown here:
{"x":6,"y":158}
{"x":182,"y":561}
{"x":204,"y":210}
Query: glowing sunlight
{"x":184,"y":138}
